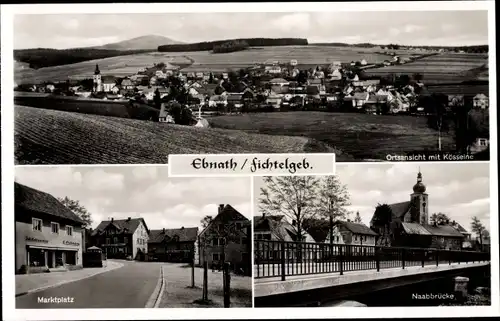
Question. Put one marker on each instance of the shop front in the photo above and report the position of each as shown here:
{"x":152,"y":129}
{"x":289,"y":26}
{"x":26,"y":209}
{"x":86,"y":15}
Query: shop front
{"x":38,"y":252}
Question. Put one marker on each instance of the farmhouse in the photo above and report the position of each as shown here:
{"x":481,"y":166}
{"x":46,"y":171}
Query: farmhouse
{"x":122,"y":238}
{"x":108,"y":83}
{"x":217,"y":100}
{"x":173,"y":245}
{"x":164,"y":116}
{"x":480,"y":101}
{"x":350,"y":233}
{"x":226,"y":239}
{"x":410,"y":226}
{"x":127,"y":84}
{"x":48,"y":234}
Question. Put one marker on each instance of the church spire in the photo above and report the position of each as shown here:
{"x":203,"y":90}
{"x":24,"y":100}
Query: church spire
{"x":97,"y":71}
{"x":419,"y":176}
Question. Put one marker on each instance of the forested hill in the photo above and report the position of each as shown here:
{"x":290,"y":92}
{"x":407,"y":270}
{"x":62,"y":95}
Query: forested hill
{"x":44,"y":57}
{"x":252,"y":42}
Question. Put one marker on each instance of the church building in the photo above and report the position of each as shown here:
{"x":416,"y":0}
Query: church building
{"x":97,"y":79}
{"x":407,"y":224}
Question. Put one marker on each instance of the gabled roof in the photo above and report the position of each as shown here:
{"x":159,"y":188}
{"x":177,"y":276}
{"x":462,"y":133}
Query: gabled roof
{"x":30,"y":199}
{"x":124,"y":225}
{"x":228,"y":214}
{"x":186,"y":234}
{"x":217,"y":98}
{"x":127,"y":82}
{"x":361,"y":96}
{"x":278,"y":81}
{"x":414,"y":229}
{"x":481,"y":96}
{"x":443,"y":230}
{"x":400,"y":209}
{"x":108,"y":79}
{"x":356,"y":228}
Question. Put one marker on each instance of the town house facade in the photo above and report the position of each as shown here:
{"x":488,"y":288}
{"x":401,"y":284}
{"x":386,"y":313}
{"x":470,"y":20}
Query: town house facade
{"x":125,"y":238}
{"x":226,"y":239}
{"x":48,"y":234}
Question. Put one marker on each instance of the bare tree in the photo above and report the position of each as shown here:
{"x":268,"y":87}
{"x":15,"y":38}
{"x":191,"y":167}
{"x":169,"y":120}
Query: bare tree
{"x":333,"y":200}
{"x":292,"y":196}
{"x":478,"y":228}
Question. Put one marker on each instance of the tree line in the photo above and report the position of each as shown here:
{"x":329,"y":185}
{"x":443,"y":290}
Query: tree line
{"x":253,"y":42}
{"x":44,"y":57}
{"x":231,"y":46}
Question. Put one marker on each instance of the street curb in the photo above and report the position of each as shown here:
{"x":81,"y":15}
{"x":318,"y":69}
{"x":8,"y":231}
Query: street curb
{"x":119,"y":265}
{"x":155,"y":298}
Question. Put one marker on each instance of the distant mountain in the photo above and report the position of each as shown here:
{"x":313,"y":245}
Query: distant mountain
{"x":143,"y":42}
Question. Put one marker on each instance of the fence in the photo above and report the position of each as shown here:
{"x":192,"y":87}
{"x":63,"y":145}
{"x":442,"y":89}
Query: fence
{"x":282,"y":259}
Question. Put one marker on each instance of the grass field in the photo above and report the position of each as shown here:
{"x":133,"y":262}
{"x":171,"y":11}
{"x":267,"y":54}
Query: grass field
{"x":87,"y":106}
{"x":201,"y":61}
{"x":359,"y":135}
{"x":118,"y":66}
{"x":44,"y":136}
{"x":445,"y":67}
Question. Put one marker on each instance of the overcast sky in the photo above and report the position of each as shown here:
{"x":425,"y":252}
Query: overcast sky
{"x":140,"y":191}
{"x":405,"y":27}
{"x":459,"y":190}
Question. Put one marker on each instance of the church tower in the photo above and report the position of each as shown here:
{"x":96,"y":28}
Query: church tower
{"x":97,"y":79}
{"x":421,"y":201}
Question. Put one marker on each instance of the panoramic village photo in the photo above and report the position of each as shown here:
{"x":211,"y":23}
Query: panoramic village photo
{"x":381,"y":85}
{"x":374,"y":235}
{"x":130,"y":237}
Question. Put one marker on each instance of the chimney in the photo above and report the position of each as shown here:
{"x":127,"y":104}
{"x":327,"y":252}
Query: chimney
{"x":163,"y":230}
{"x":129,"y":218}
{"x":221,"y":207}
{"x":112,"y":219}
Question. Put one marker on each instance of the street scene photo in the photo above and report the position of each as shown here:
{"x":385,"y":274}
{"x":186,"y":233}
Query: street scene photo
{"x":130,"y":237}
{"x":366,"y":85}
{"x":374,"y":235}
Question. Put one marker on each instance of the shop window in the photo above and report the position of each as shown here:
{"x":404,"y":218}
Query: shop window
{"x":54,"y":227}
{"x":71,"y":257}
{"x":69,"y":230}
{"x":37,"y":224}
{"x":36,"y":257}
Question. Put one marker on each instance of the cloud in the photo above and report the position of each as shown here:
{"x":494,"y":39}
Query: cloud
{"x":50,"y":177}
{"x":78,"y":30}
{"x":99,"y":180}
{"x":144,"y":172}
{"x":292,"y":22}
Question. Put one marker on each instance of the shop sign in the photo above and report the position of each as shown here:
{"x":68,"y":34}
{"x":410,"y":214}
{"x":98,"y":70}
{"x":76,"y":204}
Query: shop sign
{"x":32,"y":239}
{"x":71,"y":243}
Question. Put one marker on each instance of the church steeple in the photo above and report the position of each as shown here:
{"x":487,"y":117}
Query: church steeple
{"x":97,"y":71}
{"x":420,"y":201}
{"x":419,"y":187}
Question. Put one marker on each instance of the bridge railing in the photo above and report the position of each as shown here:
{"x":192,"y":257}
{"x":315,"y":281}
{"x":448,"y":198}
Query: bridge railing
{"x":282,"y":259}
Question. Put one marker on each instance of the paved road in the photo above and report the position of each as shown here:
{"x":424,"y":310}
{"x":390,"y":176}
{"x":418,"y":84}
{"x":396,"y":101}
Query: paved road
{"x":127,"y":287}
